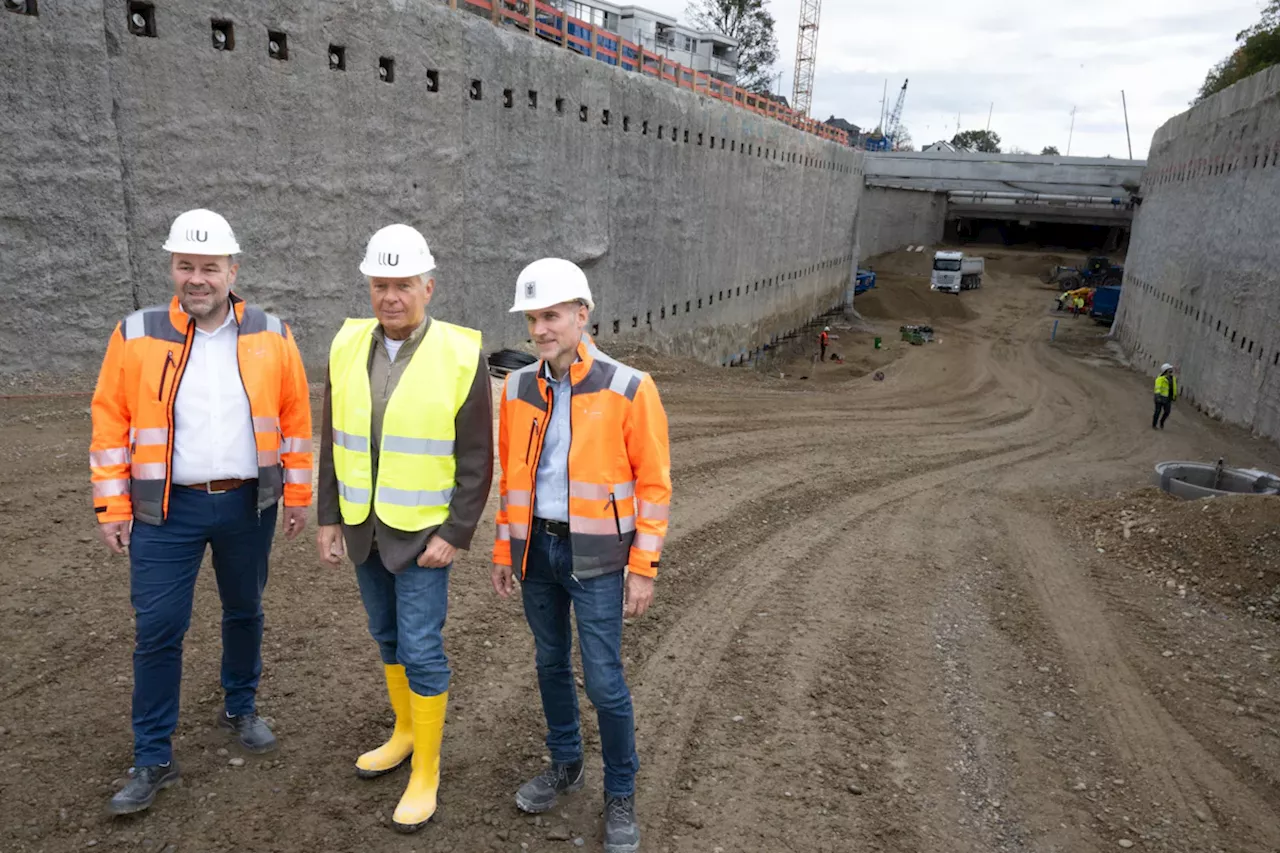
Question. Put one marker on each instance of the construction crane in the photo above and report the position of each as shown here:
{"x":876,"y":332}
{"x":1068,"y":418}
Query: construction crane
{"x":806,"y":56}
{"x":888,"y":138}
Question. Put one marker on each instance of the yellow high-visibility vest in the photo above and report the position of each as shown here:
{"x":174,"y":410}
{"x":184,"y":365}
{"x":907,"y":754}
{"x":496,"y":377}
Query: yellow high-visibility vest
{"x":416,"y":465}
{"x":1166,"y":386}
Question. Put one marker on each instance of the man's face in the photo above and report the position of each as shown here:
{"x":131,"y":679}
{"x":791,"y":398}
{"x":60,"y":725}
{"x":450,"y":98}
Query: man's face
{"x":202,"y":282}
{"x":400,"y":304}
{"x":557,"y":330}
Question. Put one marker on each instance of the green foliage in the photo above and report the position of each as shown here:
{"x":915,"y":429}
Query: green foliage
{"x":1051,"y":149}
{"x":1257,"y":49}
{"x":750,"y":23}
{"x":985,"y":141}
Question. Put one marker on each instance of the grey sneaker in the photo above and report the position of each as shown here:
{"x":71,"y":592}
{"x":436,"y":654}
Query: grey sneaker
{"x":144,"y":783}
{"x":255,"y":734}
{"x":540,"y":793}
{"x":621,"y":832}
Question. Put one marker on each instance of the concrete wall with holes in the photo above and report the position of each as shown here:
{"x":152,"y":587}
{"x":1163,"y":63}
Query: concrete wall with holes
{"x":1202,"y":280}
{"x":704,"y":229}
{"x":890,"y":219}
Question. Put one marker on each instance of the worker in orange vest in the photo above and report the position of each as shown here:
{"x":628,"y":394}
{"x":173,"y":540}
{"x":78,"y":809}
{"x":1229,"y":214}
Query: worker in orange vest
{"x":201,"y":424}
{"x":824,"y":338}
{"x":582,"y":514}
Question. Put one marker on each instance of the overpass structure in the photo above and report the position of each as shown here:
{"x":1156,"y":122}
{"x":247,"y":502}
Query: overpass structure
{"x":1018,"y":188}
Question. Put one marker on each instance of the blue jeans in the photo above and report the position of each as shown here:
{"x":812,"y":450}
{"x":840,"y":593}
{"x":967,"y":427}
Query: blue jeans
{"x":549,"y":589}
{"x":164,"y":561}
{"x":406,"y":617}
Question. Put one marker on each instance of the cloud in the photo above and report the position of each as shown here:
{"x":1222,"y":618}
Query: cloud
{"x":1033,"y":59}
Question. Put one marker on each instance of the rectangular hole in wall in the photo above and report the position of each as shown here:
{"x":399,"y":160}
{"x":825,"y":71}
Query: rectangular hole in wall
{"x":699,"y":139}
{"x":533,"y":99}
{"x":582,"y":112}
{"x":616,"y":325}
{"x":508,"y":98}
{"x":733,"y":145}
{"x":739,"y":292}
{"x":687,"y":307}
{"x":711,"y":300}
{"x":661,"y":129}
{"x":224,"y":34}
{"x":626,"y":123}
{"x":278,"y":45}
{"x":604,"y":117}
{"x":648,"y":318}
{"x":713,"y":142}
{"x":675,"y":134}
{"x":433,"y":80}
{"x":560,"y":106}
{"x":644,"y":128}
{"x":337,"y":57}
{"x":722,"y":295}
{"x":476,"y":90}
{"x":142,"y":19}
{"x":686,"y":137}
{"x":1251,"y":347}
{"x":386,"y":69}
{"x":699,"y":303}
{"x":22,"y":7}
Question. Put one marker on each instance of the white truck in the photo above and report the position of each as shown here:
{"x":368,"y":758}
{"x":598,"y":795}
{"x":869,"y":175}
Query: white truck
{"x":954,"y":272}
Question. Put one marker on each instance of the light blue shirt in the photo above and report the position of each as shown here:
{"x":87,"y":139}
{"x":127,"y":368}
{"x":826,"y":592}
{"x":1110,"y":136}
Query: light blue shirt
{"x":551,"y":491}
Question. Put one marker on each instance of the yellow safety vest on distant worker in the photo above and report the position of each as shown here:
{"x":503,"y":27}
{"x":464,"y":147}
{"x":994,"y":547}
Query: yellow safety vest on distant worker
{"x":416,"y":465}
{"x":1167,"y":386}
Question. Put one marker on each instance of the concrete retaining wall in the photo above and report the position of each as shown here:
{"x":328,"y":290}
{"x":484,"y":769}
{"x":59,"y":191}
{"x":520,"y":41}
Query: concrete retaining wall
{"x":890,"y":219}
{"x":704,"y":229}
{"x":1202,"y":279}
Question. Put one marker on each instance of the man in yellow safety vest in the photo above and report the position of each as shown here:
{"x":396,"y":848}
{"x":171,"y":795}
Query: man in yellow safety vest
{"x":1166,"y":393}
{"x":405,"y":465}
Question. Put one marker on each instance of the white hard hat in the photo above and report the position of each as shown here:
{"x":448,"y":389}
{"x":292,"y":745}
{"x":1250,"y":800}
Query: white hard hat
{"x":548,"y":282}
{"x":826,"y":328}
{"x":397,"y":251}
{"x":201,"y":232}
{"x":1165,"y":367}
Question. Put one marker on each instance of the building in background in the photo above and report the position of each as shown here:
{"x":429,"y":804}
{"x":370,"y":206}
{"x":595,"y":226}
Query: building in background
{"x":857,"y":137}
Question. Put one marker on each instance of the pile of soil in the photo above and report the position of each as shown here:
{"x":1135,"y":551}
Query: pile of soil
{"x":897,"y":297}
{"x":1227,"y":548}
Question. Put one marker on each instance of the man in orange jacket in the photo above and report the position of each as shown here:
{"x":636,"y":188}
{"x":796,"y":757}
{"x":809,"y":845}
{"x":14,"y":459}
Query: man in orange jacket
{"x":201,"y":423}
{"x":584,"y":497}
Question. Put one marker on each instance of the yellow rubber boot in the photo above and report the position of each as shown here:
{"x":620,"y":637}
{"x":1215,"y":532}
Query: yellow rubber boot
{"x":391,"y":754}
{"x":419,"y":801}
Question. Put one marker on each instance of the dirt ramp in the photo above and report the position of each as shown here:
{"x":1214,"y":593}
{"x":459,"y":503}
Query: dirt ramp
{"x":909,"y":299}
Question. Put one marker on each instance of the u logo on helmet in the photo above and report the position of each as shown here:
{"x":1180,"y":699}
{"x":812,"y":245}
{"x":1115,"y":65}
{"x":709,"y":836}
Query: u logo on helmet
{"x":197,"y":236}
{"x":388,"y":259}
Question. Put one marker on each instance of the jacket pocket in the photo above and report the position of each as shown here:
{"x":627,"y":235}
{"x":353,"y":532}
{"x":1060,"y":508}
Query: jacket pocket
{"x":164,"y":374}
{"x":528,"y":447}
{"x":617,"y":521}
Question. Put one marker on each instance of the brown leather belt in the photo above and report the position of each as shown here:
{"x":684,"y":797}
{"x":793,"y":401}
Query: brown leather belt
{"x":217,"y":487}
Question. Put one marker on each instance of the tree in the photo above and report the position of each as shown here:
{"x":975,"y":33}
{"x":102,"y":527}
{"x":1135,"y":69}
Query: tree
{"x":903,"y":142}
{"x":984,"y":141}
{"x":750,"y":23}
{"x":1258,"y":48}
{"x":1051,"y":149}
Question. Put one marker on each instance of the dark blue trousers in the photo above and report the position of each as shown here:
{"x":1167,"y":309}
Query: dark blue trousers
{"x":164,"y":561}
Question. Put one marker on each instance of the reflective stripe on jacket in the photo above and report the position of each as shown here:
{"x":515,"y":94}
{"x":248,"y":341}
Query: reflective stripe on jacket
{"x":1167,"y":386}
{"x":619,"y":465}
{"x":131,"y":454}
{"x":416,"y":468}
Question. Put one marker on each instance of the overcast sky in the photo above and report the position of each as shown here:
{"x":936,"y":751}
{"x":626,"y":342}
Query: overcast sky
{"x":1034,"y":59}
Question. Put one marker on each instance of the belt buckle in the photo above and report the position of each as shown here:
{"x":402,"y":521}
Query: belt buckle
{"x":210,"y":490}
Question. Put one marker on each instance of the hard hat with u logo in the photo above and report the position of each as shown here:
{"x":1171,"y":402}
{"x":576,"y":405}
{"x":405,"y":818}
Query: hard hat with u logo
{"x":397,"y":251}
{"x":201,"y":232}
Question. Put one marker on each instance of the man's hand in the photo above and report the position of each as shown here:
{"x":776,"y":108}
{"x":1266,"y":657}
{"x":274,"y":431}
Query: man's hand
{"x":639,"y":595}
{"x":116,"y":535}
{"x":295,"y":519}
{"x":437,"y":554}
{"x":330,"y":545}
{"x":502,"y":580}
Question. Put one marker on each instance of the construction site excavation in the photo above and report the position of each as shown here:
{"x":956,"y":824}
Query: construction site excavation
{"x":621,"y":457}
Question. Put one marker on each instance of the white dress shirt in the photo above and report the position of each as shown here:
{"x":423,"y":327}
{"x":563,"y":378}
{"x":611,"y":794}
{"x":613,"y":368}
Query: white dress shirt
{"x":213,"y":427}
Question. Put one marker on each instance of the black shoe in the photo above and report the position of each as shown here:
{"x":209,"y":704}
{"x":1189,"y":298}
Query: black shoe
{"x":254,"y":733}
{"x":144,"y":783}
{"x":621,"y":832}
{"x":540,"y":793}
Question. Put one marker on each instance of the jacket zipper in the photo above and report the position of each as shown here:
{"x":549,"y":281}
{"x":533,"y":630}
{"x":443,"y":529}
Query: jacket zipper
{"x":180,"y":370}
{"x":533,"y":430}
{"x":240,"y":375}
{"x":617,"y":522}
{"x":168,"y":360}
{"x":533,"y":485}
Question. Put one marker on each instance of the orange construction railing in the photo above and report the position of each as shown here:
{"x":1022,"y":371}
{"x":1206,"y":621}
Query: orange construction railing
{"x":553,"y":25}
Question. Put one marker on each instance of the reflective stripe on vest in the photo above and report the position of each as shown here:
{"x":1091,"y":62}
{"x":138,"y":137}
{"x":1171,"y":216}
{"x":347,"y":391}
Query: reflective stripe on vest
{"x":416,"y":466}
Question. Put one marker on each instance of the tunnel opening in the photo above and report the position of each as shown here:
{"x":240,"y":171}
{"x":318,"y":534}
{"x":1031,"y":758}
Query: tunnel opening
{"x":1069,"y":236}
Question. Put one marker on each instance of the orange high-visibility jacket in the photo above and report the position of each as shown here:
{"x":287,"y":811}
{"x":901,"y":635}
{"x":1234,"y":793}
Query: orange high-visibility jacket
{"x":131,"y":456}
{"x":619,"y":465}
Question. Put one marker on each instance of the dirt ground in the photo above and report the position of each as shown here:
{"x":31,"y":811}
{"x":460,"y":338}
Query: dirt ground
{"x":898,"y":615}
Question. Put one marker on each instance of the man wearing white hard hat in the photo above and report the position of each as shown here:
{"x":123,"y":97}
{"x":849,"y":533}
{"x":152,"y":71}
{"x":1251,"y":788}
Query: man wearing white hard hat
{"x":406,"y":461}
{"x":201,"y":424}
{"x":582,"y":514}
{"x":1166,"y":392}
